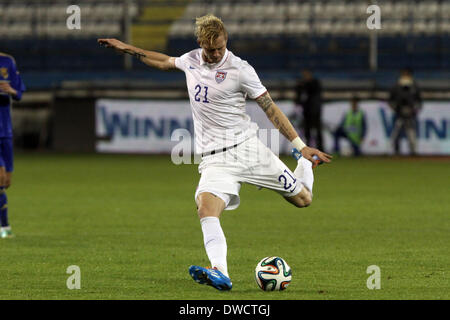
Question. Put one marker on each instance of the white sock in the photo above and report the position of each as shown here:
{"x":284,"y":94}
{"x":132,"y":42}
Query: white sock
{"x":305,"y":173}
{"x":215,"y":243}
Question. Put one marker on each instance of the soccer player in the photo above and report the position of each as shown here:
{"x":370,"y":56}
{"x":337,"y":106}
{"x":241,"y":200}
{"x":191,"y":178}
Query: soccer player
{"x":218,"y":83}
{"x":11,"y":86}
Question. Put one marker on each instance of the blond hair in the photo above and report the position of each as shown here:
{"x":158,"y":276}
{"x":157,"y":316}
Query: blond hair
{"x":208,"y":28}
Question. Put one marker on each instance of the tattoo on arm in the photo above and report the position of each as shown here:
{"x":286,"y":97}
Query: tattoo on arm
{"x":265,"y":101}
{"x":152,"y":59}
{"x":138,"y":55}
{"x":274,"y":114}
{"x":284,"y":126}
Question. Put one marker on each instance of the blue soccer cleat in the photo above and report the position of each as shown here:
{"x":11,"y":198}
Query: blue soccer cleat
{"x":297,"y":155}
{"x":211,"y":277}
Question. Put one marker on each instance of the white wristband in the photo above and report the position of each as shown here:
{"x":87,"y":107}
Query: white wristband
{"x":298,"y":143}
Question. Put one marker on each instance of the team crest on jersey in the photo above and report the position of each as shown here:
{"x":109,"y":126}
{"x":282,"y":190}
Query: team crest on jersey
{"x":220,"y":76}
{"x":4,"y":73}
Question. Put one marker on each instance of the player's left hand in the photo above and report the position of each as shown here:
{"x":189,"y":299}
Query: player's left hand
{"x":308,"y":153}
{"x":113,"y":43}
{"x":6,"y":87}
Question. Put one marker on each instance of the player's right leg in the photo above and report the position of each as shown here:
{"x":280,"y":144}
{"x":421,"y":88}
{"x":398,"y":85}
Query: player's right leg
{"x":209,"y":209}
{"x":304,"y":173}
{"x":268,"y":171}
{"x":301,"y":200}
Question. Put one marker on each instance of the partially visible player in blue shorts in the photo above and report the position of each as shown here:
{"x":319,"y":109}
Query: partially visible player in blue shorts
{"x":11,"y":87}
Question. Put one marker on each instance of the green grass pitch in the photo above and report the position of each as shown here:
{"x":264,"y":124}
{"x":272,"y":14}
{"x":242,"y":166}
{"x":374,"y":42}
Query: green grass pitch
{"x":130,"y":224}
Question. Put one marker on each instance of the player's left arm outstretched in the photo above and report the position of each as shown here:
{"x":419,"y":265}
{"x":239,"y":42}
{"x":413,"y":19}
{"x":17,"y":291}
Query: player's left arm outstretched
{"x":153,"y":59}
{"x":282,"y":123}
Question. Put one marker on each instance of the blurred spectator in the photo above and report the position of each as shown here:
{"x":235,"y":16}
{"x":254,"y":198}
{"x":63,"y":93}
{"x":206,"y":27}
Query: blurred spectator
{"x":406,"y":102}
{"x":308,"y":96}
{"x":353,"y":128}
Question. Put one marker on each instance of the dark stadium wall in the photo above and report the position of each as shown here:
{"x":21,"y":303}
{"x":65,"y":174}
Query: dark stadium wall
{"x":74,"y":124}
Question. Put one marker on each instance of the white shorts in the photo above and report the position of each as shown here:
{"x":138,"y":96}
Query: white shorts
{"x":250,"y":162}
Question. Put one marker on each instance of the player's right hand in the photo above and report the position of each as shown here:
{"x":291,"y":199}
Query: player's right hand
{"x":309,"y":152}
{"x":113,"y":43}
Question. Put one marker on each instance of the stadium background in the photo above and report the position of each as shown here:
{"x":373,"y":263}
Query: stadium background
{"x":129,"y":221}
{"x":66,"y":71}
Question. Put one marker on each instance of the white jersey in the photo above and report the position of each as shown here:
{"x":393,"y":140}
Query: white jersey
{"x":217,"y":93}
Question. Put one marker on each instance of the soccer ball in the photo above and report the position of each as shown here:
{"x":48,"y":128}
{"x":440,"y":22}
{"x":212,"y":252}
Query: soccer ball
{"x":273,"y":273}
